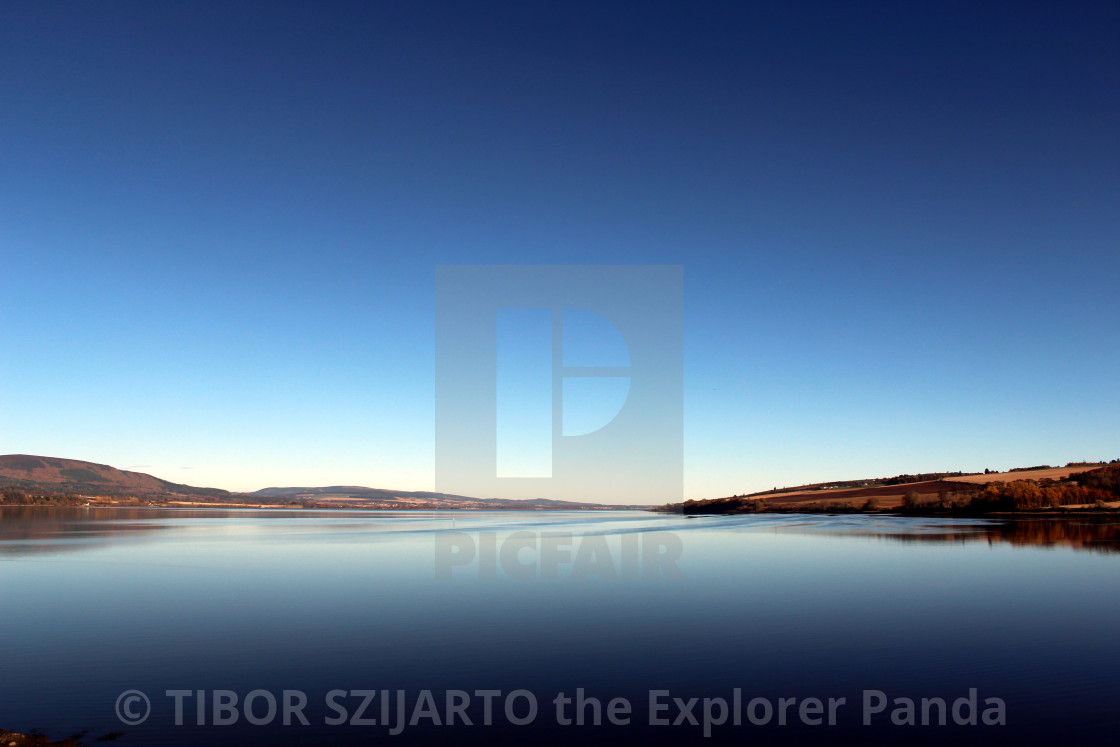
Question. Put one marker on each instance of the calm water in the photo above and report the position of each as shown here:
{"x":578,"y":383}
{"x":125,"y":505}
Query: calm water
{"x":95,"y":602}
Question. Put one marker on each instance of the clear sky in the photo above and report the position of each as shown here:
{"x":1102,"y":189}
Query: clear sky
{"x":899,"y":224}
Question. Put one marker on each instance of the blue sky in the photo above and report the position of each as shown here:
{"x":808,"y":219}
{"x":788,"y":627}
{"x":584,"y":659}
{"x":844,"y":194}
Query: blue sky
{"x":219,"y":224}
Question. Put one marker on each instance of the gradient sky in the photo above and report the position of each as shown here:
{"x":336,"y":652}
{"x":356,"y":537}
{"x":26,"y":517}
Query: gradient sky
{"x":899,"y":224}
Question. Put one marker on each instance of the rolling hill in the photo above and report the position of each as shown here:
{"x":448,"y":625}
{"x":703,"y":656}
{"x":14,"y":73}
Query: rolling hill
{"x":356,"y":496}
{"x":891,"y":493}
{"x":50,"y":475}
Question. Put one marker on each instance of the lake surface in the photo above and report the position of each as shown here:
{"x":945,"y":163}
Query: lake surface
{"x":330,"y":604}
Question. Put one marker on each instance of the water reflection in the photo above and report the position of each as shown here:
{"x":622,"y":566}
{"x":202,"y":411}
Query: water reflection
{"x":1091,"y":533}
{"x":780,"y":605}
{"x":30,"y":530}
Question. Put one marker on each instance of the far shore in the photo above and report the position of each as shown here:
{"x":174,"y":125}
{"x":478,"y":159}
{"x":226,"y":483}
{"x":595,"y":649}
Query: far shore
{"x":825,"y":508}
{"x":50,"y":502}
{"x":1078,"y":488}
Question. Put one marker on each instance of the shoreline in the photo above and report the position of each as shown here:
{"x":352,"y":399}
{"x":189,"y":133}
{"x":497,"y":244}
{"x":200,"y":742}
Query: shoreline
{"x":1062,"y":512}
{"x":35,"y":739}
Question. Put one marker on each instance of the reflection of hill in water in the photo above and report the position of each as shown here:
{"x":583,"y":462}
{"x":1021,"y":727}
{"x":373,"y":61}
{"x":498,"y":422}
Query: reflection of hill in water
{"x":29,"y":530}
{"x":1095,"y":534}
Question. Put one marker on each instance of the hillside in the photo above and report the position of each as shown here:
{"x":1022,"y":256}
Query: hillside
{"x":994,"y":489}
{"x":350,"y":496}
{"x":53,"y":480}
{"x":50,"y":475}
{"x":1038,"y":473}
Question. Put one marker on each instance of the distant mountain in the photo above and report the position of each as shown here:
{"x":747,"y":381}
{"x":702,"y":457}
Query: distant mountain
{"x":358,"y":497}
{"x":39,"y":474}
{"x":51,"y":476}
